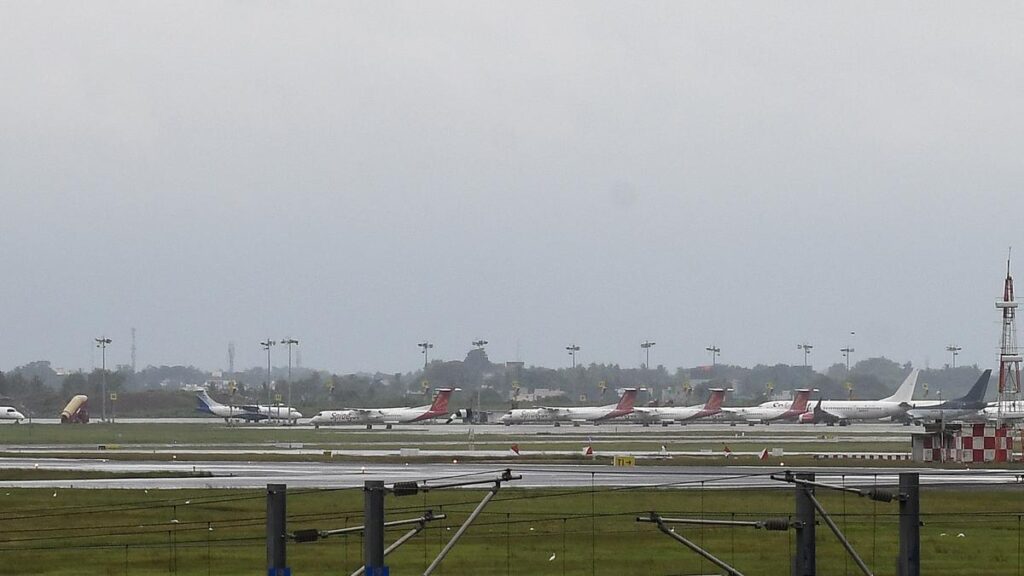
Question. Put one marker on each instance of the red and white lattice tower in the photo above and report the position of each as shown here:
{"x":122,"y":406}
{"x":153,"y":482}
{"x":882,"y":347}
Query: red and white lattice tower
{"x":1009,"y":354}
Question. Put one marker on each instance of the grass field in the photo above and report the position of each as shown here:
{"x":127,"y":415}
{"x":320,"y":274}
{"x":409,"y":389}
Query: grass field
{"x":588,"y":532}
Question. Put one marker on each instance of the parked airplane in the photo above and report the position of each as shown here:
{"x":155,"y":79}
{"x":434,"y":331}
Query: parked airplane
{"x":249,"y":413}
{"x":968,"y":406}
{"x":669,"y":414}
{"x":10,"y":413}
{"x":776,"y":410}
{"x":574,"y":414}
{"x":843,"y":411}
{"x":387,"y":416}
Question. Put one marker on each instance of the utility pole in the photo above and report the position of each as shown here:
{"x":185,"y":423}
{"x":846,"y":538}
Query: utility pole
{"x":101,"y":343}
{"x":804,"y":562}
{"x":909,"y":563}
{"x":277,"y":535}
{"x":373,"y":528}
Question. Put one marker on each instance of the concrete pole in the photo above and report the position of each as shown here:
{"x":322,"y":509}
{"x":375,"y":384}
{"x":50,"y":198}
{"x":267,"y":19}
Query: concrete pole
{"x":909,"y":563}
{"x":276,"y":530}
{"x":803,"y":559}
{"x":373,"y":528}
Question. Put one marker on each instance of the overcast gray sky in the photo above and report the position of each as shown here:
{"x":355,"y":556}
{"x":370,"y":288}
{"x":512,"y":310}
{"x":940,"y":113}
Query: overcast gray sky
{"x":366,"y":175}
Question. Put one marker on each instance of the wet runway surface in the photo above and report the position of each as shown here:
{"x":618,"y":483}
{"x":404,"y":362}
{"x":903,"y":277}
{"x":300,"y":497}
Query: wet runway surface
{"x":343,"y":475}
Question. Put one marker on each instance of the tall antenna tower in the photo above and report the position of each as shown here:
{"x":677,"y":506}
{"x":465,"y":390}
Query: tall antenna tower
{"x":133,"y":350}
{"x":1009,"y":354}
{"x":231,"y":357}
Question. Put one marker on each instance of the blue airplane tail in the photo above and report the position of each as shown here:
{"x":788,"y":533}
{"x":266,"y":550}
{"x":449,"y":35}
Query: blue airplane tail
{"x":977,"y":392}
{"x":204,"y":402}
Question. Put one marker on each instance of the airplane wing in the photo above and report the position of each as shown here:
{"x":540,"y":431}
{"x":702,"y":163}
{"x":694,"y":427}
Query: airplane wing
{"x":822,"y":415}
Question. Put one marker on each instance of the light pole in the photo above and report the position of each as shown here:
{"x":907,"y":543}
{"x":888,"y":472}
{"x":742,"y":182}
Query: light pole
{"x":646,"y":345}
{"x":267,"y":344}
{"x":954,"y":350}
{"x":289,"y":342}
{"x":425,"y":345}
{"x":573,"y":349}
{"x":715,"y":351}
{"x":846,"y":353}
{"x":807,"y":350}
{"x":480,"y":344}
{"x":101,"y":343}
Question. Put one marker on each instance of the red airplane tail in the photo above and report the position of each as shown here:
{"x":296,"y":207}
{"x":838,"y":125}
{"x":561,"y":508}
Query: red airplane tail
{"x":440,"y":405}
{"x":714,"y":402}
{"x":800,"y":400}
{"x":626,"y":402}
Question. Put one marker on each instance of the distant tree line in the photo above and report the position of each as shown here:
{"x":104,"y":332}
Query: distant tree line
{"x":157,"y":390}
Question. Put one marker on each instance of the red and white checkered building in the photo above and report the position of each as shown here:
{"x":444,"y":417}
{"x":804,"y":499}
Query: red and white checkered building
{"x":969,"y":443}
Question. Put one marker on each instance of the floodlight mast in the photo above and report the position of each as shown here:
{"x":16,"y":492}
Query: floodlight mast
{"x":646,"y":345}
{"x":425,"y":345}
{"x":289,"y":342}
{"x":573,"y":349}
{"x":806,"y":349}
{"x":954,"y":350}
{"x":267,"y":344}
{"x":715,"y":351}
{"x":101,"y":343}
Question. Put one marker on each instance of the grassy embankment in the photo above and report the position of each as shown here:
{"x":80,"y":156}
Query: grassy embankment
{"x":222,"y":532}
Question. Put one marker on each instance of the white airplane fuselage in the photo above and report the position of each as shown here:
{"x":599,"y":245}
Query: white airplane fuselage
{"x":764,"y":412}
{"x":863,"y":409}
{"x":562,"y":414}
{"x":11,"y":413}
{"x":402,"y":415}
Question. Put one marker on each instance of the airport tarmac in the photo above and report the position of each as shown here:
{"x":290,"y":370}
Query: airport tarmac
{"x":352,"y":475}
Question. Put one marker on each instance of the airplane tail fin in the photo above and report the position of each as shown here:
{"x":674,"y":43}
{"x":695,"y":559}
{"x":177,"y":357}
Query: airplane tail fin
{"x":204,"y":402}
{"x":800,"y":400}
{"x":626,"y":402}
{"x":905,"y":393}
{"x":977,"y":392}
{"x":715,"y":399}
{"x":440,"y":405}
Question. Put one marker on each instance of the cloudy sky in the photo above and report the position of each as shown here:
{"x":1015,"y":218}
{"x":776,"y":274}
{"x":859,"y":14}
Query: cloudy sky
{"x":364,"y":176}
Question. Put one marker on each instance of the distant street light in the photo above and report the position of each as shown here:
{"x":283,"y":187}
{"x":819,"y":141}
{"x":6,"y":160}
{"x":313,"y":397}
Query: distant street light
{"x":289,"y":342}
{"x":101,"y":343}
{"x":573,"y":349}
{"x":480,"y":344}
{"x":646,"y":345}
{"x":715,"y":351}
{"x":955,"y":351}
{"x":426,"y":345}
{"x":267,"y":344}
{"x":846,"y":354}
{"x":807,"y":350}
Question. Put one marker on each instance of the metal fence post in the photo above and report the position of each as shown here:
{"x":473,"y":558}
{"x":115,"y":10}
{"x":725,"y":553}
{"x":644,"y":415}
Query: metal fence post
{"x":276,"y":530}
{"x":803,"y":559}
{"x":909,"y":563}
{"x":373,"y":528}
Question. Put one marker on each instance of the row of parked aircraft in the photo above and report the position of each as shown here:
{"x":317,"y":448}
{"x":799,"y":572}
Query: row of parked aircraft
{"x":900,"y":406}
